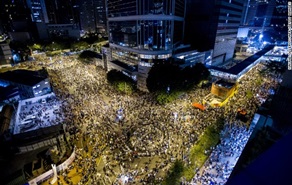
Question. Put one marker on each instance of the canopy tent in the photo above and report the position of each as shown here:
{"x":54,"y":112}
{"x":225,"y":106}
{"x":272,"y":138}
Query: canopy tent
{"x":198,"y":105}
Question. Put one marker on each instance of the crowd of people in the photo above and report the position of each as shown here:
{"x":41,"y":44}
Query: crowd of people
{"x":35,"y":114}
{"x":224,"y":156}
{"x":235,"y":135}
{"x":132,"y":137}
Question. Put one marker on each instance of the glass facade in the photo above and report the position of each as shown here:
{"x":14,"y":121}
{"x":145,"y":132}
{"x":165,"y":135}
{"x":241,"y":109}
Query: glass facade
{"x":142,"y":34}
{"x":117,"y":8}
{"x":127,"y":57}
{"x":141,"y":31}
{"x":38,"y":11}
{"x":135,"y":29}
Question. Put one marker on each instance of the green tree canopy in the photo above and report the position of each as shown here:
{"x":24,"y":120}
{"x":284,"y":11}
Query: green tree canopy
{"x":55,"y":46}
{"x":167,"y":74}
{"x":120,"y":81}
{"x":87,"y":54}
{"x":81,"y":45}
{"x":36,"y":46}
{"x":175,"y":173}
{"x":162,"y":75}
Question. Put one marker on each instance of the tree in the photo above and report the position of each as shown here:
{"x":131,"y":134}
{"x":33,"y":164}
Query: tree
{"x":87,"y":56}
{"x":55,"y":46}
{"x":120,"y":81}
{"x":169,"y":74}
{"x":36,"y":47}
{"x":77,"y":46}
{"x":175,"y":173}
{"x":163,"y":75}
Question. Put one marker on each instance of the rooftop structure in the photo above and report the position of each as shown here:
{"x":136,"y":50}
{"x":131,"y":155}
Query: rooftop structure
{"x":30,"y":83}
{"x":221,"y":91}
{"x":241,"y":68}
{"x":35,"y":113}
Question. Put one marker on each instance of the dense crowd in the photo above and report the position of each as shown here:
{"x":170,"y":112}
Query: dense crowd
{"x":38,"y":114}
{"x":130,"y":138}
{"x":234,"y":136}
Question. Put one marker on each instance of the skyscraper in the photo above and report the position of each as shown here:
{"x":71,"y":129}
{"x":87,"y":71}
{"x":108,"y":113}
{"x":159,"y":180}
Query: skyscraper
{"x":55,"y":18}
{"x":259,"y":12}
{"x":214,"y":25}
{"x":62,"y":12}
{"x":93,"y":16}
{"x":143,"y":31}
{"x":38,"y":11}
{"x":264,"y":12}
{"x":279,"y":18}
{"x":14,"y":15}
{"x":100,"y":16}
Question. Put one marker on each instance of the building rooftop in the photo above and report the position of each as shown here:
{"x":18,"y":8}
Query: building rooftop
{"x":235,"y":70}
{"x":8,"y":91}
{"x":224,"y":83}
{"x":25,"y":77}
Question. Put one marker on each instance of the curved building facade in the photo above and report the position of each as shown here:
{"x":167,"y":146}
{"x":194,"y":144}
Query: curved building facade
{"x":141,"y":31}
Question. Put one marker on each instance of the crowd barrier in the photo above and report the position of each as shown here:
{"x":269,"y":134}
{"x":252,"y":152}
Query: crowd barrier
{"x":47,"y":175}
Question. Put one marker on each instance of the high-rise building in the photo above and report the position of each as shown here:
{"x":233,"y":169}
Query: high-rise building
{"x":93,"y":16}
{"x":142,"y":31}
{"x":214,"y":25}
{"x":14,"y":15}
{"x":87,"y":17}
{"x":38,"y":11}
{"x":101,"y":16}
{"x":261,"y":12}
{"x":279,"y":18}
{"x":264,"y":12}
{"x":62,"y":12}
{"x":55,"y":18}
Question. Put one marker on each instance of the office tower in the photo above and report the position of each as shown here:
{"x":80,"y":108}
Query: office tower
{"x":14,"y":15}
{"x":143,"y":31}
{"x":101,"y":16}
{"x":55,"y":18}
{"x":93,"y":16}
{"x":87,"y":17}
{"x":280,"y":16}
{"x":264,"y":12}
{"x":62,"y":12}
{"x":260,"y":12}
{"x":38,"y":11}
{"x":214,"y":25}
